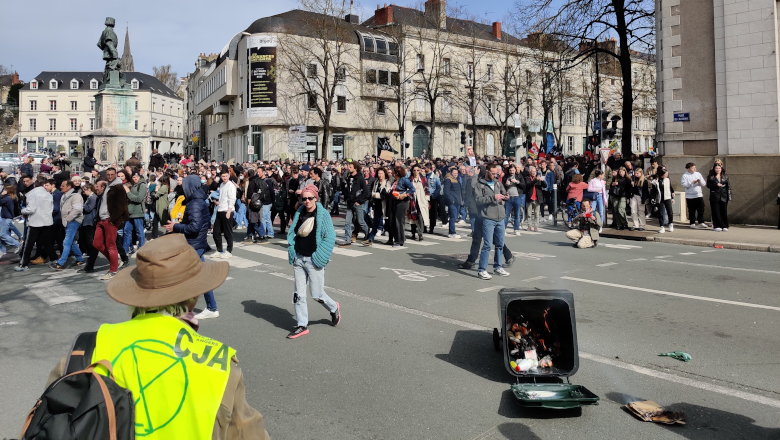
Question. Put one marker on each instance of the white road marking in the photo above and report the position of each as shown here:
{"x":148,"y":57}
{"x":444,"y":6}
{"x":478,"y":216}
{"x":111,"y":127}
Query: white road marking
{"x":266,"y":250}
{"x":528,"y":280}
{"x":413,"y":275}
{"x":606,"y":264}
{"x":63,"y":274}
{"x":551,"y":231}
{"x":663,"y":256}
{"x":680,"y":295}
{"x":710,"y":250}
{"x":283,"y":275}
{"x":421,"y":243}
{"x":527,"y":256}
{"x":387,"y":248}
{"x":719,"y":267}
{"x":684,"y":380}
{"x":638,"y":259}
{"x":687,"y":253}
{"x":228,"y":278}
{"x":348,"y":252}
{"x":237,"y":262}
{"x":53,"y":293}
{"x":592,"y":357}
{"x":9,"y":323}
{"x":488,"y":289}
{"x":454,"y":240}
{"x":622,"y":246}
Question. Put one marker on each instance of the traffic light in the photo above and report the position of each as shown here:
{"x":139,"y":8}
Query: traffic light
{"x":463,"y":137}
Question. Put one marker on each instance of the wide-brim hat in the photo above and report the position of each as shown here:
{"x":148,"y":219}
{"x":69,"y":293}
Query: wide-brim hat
{"x":168,"y":271}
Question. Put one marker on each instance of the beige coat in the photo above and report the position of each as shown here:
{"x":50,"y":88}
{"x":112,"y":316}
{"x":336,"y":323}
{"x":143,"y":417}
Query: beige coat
{"x":422,"y":201}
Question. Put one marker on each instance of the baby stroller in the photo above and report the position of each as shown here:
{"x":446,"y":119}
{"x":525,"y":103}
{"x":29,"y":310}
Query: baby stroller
{"x":572,"y":210}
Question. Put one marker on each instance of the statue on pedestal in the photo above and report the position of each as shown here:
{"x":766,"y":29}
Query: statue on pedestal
{"x":108,"y":43}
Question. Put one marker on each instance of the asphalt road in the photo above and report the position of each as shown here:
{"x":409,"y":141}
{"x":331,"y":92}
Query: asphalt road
{"x":413,"y":357}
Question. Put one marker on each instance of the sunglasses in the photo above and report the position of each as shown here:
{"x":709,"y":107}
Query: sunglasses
{"x":308,"y":199}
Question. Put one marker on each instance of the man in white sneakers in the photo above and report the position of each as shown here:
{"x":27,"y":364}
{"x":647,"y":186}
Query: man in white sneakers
{"x":225,"y":205}
{"x":693,"y":182}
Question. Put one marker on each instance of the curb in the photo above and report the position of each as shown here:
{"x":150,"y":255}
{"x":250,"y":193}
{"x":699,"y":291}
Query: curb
{"x":686,"y":241}
{"x":743,"y":246}
{"x":757,"y":247}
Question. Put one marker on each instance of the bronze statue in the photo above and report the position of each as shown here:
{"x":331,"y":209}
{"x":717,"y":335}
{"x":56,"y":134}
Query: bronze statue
{"x":108,"y":43}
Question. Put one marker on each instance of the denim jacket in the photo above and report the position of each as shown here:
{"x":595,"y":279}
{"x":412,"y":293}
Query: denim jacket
{"x":404,"y":186}
{"x":434,"y":185}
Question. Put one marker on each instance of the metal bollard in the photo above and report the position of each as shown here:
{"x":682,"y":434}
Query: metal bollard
{"x":555,"y":204}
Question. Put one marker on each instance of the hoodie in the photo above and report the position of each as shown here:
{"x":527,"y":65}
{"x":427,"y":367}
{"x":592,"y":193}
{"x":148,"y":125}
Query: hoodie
{"x":89,"y":161}
{"x":114,"y":204}
{"x":40,"y":205}
{"x":196,"y":221}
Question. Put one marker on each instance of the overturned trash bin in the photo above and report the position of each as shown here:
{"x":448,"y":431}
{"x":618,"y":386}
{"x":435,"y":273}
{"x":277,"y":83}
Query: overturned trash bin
{"x":538,"y":335}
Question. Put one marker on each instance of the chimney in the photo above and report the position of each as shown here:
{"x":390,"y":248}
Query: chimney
{"x":497,"y":29}
{"x":383,"y":16}
{"x":436,"y":12}
{"x":351,"y":18}
{"x":15,"y":79}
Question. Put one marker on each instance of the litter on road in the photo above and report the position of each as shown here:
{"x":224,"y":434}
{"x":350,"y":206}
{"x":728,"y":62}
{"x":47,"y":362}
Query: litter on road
{"x":679,"y":355}
{"x":650,"y":411}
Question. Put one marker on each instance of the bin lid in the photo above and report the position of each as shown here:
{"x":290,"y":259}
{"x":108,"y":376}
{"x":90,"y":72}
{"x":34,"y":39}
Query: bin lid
{"x":553,"y":395}
{"x":507,"y":296}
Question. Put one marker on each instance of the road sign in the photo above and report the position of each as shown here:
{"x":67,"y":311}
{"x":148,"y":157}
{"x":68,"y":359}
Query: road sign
{"x":297,"y":141}
{"x":596,"y":125}
{"x":682,"y":117}
{"x":250,"y":149}
{"x":604,"y":152}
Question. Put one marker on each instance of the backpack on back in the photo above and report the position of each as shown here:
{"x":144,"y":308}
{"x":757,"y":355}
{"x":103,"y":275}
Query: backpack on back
{"x":83,"y":404}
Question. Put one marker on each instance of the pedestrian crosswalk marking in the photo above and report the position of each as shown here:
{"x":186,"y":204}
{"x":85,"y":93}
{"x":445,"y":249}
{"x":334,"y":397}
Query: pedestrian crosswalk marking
{"x":387,"y":248}
{"x":268,"y":251}
{"x":421,"y":243}
{"x":622,"y":246}
{"x":349,"y":252}
{"x":234,"y":261}
{"x":606,"y":264}
{"x":638,"y":259}
{"x":454,"y":240}
{"x":53,"y":292}
{"x":687,"y":253}
{"x":711,"y":250}
{"x":533,"y":279}
{"x":488,"y":289}
{"x":663,"y":256}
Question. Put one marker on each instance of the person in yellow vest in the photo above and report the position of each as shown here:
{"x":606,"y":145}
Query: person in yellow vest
{"x":185,"y":385}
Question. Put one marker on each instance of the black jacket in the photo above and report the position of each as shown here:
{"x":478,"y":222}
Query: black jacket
{"x":355,"y":190}
{"x":196,"y":221}
{"x":156,"y":161}
{"x":642,"y":191}
{"x":540,"y":185}
{"x":89,"y":161}
{"x":520,"y":185}
{"x":719,"y":193}
{"x":622,"y":189}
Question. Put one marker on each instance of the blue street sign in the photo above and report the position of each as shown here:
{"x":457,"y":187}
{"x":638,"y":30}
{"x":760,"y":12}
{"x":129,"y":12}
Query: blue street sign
{"x":596,"y":125}
{"x":682,"y":117}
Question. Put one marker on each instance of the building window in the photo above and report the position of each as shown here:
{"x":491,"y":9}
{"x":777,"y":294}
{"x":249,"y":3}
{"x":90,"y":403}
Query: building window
{"x":134,"y":84}
{"x":384,"y":77}
{"x":74,"y":105}
{"x":53,"y":84}
{"x":420,"y":62}
{"x":489,"y":72}
{"x":568,"y":115}
{"x":381,"y":46}
{"x":570,"y":142}
{"x":53,"y":105}
{"x":91,"y":123}
{"x":312,"y":101}
{"x":341,"y":104}
{"x":445,"y":66}
{"x":371,"y":76}
{"x":395,"y":79}
{"x":162,"y":110}
{"x":368,"y":43}
{"x":136,"y":124}
{"x":311,"y":70}
{"x":33,"y":105}
{"x":74,"y":125}
{"x":33,"y":125}
{"x":528,"y":109}
{"x":93,"y":84}
{"x":74,"y":84}
{"x":34,"y":85}
{"x":380,"y":107}
{"x":528,"y":77}
{"x":52,"y":124}
{"x":136,"y":105}
{"x":489,"y":105}
{"x":636,"y":122}
{"x":91,"y":105}
{"x":154,"y":105}
{"x":470,"y":70}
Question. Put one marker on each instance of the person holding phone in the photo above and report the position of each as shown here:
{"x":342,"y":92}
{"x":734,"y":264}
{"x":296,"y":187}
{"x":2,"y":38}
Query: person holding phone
{"x":586,"y":234}
{"x":491,"y":196}
{"x":693,"y":182}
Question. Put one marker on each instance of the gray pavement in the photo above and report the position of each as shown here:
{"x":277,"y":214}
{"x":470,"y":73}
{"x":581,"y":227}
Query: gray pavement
{"x":413,"y":357}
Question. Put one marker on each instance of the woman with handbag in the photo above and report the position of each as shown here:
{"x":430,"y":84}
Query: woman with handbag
{"x":418,"y":205}
{"x":640,"y":193}
{"x":380,"y":197}
{"x":619,"y":192}
{"x":720,"y":195}
{"x":400,"y":192}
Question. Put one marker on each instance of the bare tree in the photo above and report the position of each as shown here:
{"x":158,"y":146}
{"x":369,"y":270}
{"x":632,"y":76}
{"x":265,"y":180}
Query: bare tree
{"x":320,"y":58}
{"x":578,"y":21}
{"x":166,"y":76}
{"x":6,"y":70}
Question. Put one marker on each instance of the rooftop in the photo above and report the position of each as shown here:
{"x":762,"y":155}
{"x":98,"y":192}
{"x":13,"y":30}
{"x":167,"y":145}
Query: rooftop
{"x":145,"y":82}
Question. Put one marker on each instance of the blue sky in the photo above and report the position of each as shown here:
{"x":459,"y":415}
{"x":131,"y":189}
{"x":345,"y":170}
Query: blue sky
{"x":63,"y":35}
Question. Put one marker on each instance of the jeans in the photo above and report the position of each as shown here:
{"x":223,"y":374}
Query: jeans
{"x":211,"y":303}
{"x":599,"y":202}
{"x":70,"y":245}
{"x":105,"y":243}
{"x":463,"y":212}
{"x":266,"y":221}
{"x":492,"y":233}
{"x":241,"y":214}
{"x":335,"y":207}
{"x":352,"y":212}
{"x":138,"y":225}
{"x":666,"y":213}
{"x":5,"y":234}
{"x":12,"y":227}
{"x":376,"y":222}
{"x":453,"y":217}
{"x":307,"y":273}
{"x":513,"y":206}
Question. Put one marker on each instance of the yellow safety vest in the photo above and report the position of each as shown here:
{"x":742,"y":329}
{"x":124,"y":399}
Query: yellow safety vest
{"x":177,"y":376}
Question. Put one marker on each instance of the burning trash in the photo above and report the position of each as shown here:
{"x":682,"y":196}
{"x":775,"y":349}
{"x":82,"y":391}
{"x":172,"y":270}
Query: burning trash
{"x":532,"y":338}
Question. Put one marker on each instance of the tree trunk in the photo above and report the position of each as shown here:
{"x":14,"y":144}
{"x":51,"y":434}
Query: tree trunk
{"x":433,"y":129}
{"x":325,"y":135}
{"x":625,"y":69}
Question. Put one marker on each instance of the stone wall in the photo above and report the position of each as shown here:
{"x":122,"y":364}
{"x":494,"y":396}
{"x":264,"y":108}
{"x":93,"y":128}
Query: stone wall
{"x":755,"y":184}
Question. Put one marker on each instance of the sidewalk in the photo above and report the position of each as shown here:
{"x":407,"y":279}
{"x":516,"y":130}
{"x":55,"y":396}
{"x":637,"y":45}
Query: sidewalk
{"x":746,"y":238}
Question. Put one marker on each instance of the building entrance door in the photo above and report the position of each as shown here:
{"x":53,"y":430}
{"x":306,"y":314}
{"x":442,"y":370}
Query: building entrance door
{"x":420,"y":141}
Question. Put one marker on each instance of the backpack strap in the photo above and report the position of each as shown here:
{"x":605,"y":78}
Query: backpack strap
{"x":80,"y":356}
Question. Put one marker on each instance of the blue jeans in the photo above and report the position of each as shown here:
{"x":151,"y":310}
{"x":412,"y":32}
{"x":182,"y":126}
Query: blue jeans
{"x":513,"y":205}
{"x":307,"y":273}
{"x":352,"y":212}
{"x":138,"y":224}
{"x":12,"y":227}
{"x":463,"y":212}
{"x":492,"y":233}
{"x":453,"y":208}
{"x":211,"y":304}
{"x":241,"y":214}
{"x":599,"y":201}
{"x":69,"y":245}
{"x":5,"y":234}
{"x":266,"y":222}
{"x":336,"y":201}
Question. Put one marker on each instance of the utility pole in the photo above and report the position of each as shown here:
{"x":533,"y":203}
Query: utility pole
{"x":598,"y":101}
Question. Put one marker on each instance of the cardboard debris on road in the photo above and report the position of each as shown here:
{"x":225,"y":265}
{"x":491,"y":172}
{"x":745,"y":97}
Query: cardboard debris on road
{"x":650,"y":411}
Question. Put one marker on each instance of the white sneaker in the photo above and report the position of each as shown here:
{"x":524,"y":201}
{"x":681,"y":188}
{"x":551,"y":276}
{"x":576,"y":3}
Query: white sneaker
{"x":693,"y":225}
{"x":671,"y":227}
{"x":662,"y":230}
{"x":453,"y":236}
{"x":107,"y":277}
{"x":517,"y":233}
{"x":600,"y":230}
{"x":647,"y":216}
{"x":550,"y":218}
{"x":501,"y":272}
{"x":461,"y":222}
{"x":725,"y":229}
{"x":702,"y":226}
{"x":206,"y":314}
{"x":484,"y":275}
{"x":717,"y":229}
{"x":225,"y":255}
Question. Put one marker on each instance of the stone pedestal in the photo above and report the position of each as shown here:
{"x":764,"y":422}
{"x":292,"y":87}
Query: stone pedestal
{"x":115,"y":136}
